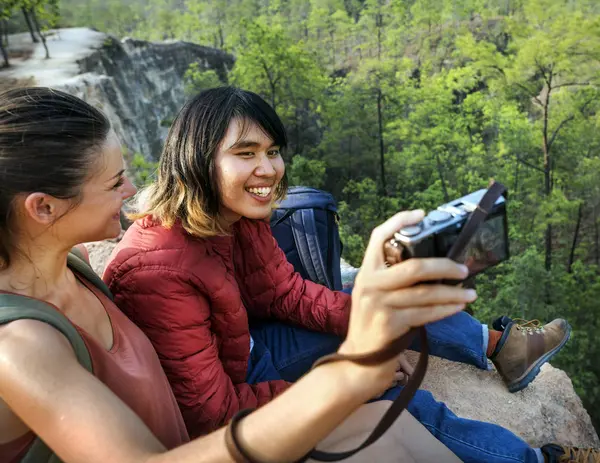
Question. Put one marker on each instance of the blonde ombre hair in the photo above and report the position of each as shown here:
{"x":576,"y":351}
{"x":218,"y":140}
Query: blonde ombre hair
{"x":186,"y":187}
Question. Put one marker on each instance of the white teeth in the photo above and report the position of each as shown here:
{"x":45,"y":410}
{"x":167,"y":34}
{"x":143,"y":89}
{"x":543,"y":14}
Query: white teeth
{"x":263,"y":191}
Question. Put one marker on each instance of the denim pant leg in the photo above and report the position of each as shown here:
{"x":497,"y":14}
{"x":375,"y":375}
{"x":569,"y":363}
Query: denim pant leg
{"x":260,"y":365}
{"x":293,"y":350}
{"x":460,"y":338}
{"x":472,"y":441}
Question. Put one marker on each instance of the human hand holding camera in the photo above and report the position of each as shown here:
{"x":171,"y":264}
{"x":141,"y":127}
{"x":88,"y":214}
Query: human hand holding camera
{"x":388,"y":301}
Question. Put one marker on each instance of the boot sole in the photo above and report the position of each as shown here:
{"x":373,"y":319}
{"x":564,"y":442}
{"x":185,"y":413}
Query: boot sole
{"x":534,"y":369}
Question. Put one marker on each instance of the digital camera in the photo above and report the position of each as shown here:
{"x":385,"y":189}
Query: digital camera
{"x":437,"y":232}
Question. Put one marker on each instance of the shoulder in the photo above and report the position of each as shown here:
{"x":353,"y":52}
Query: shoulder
{"x":148,"y":246}
{"x":22,"y":340}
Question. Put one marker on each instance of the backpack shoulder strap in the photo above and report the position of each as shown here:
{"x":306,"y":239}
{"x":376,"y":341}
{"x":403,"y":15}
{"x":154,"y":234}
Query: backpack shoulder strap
{"x":76,"y":261}
{"x":14,"y":307}
{"x":304,"y":229}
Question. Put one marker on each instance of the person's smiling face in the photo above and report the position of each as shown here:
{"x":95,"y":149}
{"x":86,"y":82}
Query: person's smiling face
{"x":249,"y":167}
{"x":97,"y":216}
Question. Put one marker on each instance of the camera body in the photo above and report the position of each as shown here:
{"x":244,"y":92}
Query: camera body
{"x":435,"y":235}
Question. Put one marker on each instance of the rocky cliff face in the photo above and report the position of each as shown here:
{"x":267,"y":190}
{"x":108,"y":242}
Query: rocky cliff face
{"x":137,"y":84}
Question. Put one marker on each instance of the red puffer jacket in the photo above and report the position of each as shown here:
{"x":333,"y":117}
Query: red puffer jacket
{"x":186,"y":294}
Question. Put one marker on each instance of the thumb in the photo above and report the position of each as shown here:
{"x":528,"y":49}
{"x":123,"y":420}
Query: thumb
{"x":374,"y":258}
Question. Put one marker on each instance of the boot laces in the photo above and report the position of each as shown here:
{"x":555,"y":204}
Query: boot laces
{"x":577,"y":455}
{"x":528,"y":325}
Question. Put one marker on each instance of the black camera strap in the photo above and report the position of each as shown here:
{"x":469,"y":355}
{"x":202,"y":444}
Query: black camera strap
{"x":396,"y":347}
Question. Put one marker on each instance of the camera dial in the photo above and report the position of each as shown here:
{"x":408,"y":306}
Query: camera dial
{"x":438,"y":216}
{"x":413,"y":230}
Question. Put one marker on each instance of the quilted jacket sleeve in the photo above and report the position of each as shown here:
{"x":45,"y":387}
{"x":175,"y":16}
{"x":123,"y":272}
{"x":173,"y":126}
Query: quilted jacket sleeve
{"x":272,"y":289}
{"x":174,"y":313}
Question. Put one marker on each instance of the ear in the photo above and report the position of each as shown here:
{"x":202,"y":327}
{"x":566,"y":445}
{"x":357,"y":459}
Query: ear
{"x":43,"y":208}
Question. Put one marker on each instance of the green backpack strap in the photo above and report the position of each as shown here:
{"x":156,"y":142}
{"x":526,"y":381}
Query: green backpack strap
{"x":77,"y":262}
{"x":14,"y":307}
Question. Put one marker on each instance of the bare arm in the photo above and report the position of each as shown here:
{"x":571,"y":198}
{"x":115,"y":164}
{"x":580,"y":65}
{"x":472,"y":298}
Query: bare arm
{"x":84,"y":422}
{"x":42,"y":382}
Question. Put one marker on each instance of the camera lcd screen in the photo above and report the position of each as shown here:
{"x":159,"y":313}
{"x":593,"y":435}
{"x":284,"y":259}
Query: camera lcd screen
{"x":487,"y":247}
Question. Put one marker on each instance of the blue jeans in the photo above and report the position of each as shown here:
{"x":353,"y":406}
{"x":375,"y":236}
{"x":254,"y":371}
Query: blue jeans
{"x":285,"y":352}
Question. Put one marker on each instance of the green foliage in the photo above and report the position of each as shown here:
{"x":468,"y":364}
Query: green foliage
{"x":198,"y":79}
{"x":143,"y":171}
{"x":270,"y":63}
{"x":303,"y":171}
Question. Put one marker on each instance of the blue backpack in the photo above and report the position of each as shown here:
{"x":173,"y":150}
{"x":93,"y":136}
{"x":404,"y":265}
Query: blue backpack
{"x":305,"y":226}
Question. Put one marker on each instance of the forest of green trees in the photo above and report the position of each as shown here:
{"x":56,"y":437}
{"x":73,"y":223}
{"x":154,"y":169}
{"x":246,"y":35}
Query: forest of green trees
{"x":395,"y":104}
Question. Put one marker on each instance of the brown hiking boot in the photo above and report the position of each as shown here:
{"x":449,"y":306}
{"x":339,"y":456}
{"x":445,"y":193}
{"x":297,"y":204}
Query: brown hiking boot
{"x":525,"y":346}
{"x":555,"y":453}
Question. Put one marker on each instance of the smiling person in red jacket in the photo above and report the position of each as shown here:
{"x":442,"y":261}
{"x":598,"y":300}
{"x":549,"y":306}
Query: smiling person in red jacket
{"x":200,"y":261}
{"x":201,"y":274}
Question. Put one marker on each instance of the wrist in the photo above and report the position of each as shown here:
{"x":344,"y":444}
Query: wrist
{"x":362,"y":380}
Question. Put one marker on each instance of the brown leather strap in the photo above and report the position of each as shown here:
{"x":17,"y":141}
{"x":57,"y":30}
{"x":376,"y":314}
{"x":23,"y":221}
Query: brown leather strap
{"x":395,"y":348}
{"x":373,"y":358}
{"x":401,"y":402}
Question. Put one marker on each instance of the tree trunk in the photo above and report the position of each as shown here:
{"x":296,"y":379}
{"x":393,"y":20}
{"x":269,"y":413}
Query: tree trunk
{"x":333,"y":57}
{"x":575,"y":236}
{"x":2,"y":48}
{"x":440,"y":169}
{"x":273,"y":96}
{"x":381,"y":145}
{"x":5,"y":35}
{"x":379,"y":24}
{"x":596,"y":239}
{"x":272,"y":84}
{"x":516,"y":187}
{"x":298,"y":114}
{"x":221,"y":38}
{"x":29,"y":25}
{"x":39,"y":31}
{"x":547,"y":179}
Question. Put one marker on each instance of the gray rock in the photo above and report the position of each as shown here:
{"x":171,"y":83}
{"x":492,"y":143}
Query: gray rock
{"x":138,"y":84}
{"x":348,"y":273}
{"x":99,"y":252}
{"x":548,"y":410}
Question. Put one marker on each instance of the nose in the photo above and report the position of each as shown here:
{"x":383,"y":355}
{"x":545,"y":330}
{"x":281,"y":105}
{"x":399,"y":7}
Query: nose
{"x":128,"y":189}
{"x":265,"y":167}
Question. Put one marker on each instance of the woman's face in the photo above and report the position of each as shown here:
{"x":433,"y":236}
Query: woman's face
{"x":248,"y":167}
{"x":97,"y":216}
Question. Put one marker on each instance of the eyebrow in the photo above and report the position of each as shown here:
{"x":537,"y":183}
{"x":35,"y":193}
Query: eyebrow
{"x":247,"y":144}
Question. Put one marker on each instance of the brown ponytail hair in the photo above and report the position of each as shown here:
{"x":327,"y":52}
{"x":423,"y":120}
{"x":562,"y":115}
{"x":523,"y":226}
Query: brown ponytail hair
{"x":47,"y":144}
